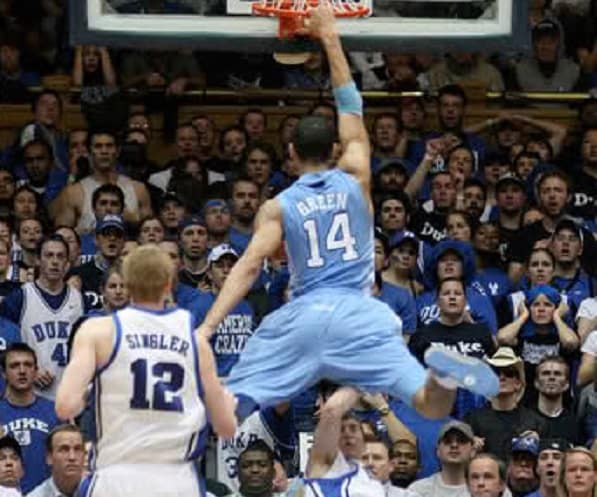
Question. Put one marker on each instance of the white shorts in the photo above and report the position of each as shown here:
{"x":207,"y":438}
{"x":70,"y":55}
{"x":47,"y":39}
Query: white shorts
{"x":147,"y":480}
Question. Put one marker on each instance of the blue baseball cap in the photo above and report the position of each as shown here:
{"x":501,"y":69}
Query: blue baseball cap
{"x":403,"y":237}
{"x":191,"y":221}
{"x":216,"y":202}
{"x":110,"y":221}
{"x":527,"y":443}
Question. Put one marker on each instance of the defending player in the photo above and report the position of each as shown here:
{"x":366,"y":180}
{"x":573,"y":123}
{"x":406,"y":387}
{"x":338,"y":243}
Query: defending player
{"x":331,"y":328}
{"x":155,"y":386}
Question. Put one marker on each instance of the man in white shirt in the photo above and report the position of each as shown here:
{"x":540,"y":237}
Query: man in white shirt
{"x":66,"y":455}
{"x":454,"y":450}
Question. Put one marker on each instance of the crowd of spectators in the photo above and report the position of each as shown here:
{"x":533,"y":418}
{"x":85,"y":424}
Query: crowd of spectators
{"x":485,"y":244}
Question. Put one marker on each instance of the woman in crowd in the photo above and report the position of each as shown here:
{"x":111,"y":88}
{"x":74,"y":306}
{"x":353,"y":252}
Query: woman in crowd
{"x":539,"y":329}
{"x":578,"y":473}
{"x":151,"y":230}
{"x":402,"y":267}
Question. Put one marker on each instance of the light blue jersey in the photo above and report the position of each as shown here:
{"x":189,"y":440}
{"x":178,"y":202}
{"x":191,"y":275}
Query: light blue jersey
{"x":328,"y":230}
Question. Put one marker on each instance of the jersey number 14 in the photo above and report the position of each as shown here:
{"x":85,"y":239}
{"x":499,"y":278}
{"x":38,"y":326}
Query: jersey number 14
{"x":338,"y":238}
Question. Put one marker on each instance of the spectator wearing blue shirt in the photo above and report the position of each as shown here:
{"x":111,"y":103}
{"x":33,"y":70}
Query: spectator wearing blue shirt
{"x":245,"y":195}
{"x":455,"y":259}
{"x":400,"y":301}
{"x":9,"y":334}
{"x":232,"y":333}
{"x":569,"y":278}
{"x":24,"y":415}
{"x":14,"y":81}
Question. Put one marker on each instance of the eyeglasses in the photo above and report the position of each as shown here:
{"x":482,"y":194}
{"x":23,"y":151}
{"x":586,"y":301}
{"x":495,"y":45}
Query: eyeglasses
{"x":507,"y":372}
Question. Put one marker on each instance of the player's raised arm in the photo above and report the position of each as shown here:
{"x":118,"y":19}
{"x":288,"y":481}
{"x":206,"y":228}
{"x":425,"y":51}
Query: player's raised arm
{"x":355,"y":158}
{"x":265,"y":242}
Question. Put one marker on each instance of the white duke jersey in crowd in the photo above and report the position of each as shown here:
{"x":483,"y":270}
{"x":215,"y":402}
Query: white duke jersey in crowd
{"x":345,"y":478}
{"x":148,"y":398}
{"x":47,"y":330}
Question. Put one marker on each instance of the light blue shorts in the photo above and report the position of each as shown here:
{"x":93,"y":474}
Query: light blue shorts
{"x":337,"y":334}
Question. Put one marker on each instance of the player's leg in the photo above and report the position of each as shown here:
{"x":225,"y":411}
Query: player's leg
{"x":365,"y":349}
{"x":281,"y":359}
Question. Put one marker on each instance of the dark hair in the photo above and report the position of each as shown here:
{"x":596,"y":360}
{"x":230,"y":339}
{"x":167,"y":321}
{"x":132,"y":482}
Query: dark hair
{"x":38,"y":141}
{"x":454,"y":90}
{"x":464,"y":215}
{"x":487,"y":455}
{"x":228,"y":129}
{"x":27,"y":188}
{"x":46,"y":91}
{"x":59,"y":429}
{"x":324,"y":103}
{"x":545,"y":251}
{"x":52,"y":238}
{"x":474,"y":181}
{"x":21,"y":221}
{"x":313,"y":139}
{"x":64,"y":226}
{"x":107,"y":189}
{"x":287,"y":118}
{"x":258,"y":445}
{"x":554,"y":173}
{"x":263,"y":146}
{"x":252,"y":110}
{"x":101,"y":131}
{"x":540,"y":139}
{"x":187,"y":125}
{"x":385,"y":115}
{"x":399,"y":196}
{"x":242,"y":178}
{"x":458,"y":147}
{"x":16,"y":347}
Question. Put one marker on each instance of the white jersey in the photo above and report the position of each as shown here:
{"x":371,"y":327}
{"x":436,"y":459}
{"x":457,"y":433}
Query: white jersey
{"x":47,"y":330}
{"x":344,"y":479}
{"x":148,"y":398}
{"x":252,"y":428}
{"x":89,"y":184}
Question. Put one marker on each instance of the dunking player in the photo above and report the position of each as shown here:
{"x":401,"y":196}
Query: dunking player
{"x":331,"y":328}
{"x":155,"y":387}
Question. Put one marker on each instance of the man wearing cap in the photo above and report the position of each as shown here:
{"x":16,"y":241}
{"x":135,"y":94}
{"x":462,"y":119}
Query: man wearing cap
{"x":236,"y":328}
{"x":547,"y":69}
{"x":510,"y":196}
{"x":521,"y":476}
{"x":391,"y":176}
{"x":551,"y":453}
{"x":24,"y":415}
{"x":172,"y":211}
{"x":45,"y":310}
{"x":496,"y":425}
{"x":569,"y":278}
{"x":11,"y":467}
{"x":109,"y":238}
{"x":218,"y":220}
{"x":454,"y":450}
{"x":192,"y":240}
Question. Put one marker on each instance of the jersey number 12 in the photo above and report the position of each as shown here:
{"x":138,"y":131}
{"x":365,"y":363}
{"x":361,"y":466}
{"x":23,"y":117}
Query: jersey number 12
{"x":171,"y":379}
{"x":338,"y":238}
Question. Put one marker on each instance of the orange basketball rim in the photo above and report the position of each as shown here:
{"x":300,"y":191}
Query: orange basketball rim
{"x":292,"y":13}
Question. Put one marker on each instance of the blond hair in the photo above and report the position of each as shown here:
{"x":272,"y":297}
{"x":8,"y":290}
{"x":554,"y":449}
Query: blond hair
{"x":562,"y":490}
{"x":147,"y":271}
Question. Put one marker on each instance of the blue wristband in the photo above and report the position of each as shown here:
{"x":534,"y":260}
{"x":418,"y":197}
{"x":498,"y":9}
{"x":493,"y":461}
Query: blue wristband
{"x":348,"y":99}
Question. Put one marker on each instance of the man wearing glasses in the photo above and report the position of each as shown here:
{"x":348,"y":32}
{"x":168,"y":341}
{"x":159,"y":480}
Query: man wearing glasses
{"x":495,"y":425}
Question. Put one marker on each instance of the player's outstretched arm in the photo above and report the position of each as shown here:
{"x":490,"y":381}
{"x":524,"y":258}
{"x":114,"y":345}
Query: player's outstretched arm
{"x":70,"y":397}
{"x":265,"y":242}
{"x":220,"y":403}
{"x":327,"y":434}
{"x":355,"y":159}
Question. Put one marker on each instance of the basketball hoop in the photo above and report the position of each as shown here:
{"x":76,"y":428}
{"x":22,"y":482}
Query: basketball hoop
{"x":292,"y":13}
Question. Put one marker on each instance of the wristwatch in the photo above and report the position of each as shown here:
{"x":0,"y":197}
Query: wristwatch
{"x":383,"y":411}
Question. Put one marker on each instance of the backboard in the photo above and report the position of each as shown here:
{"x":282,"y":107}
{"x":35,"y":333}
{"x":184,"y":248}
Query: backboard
{"x":394,"y":25}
